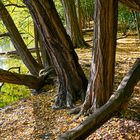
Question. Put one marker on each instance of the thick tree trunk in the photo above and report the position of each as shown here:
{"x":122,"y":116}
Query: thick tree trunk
{"x":133,"y":4}
{"x":72,"y":80}
{"x":72,"y":25}
{"x":103,"y":114}
{"x":102,"y":68}
{"x":18,"y":42}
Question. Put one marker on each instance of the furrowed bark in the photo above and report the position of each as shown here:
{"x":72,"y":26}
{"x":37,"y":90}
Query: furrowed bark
{"x":72,"y":25}
{"x":100,"y":86}
{"x":103,"y":114}
{"x":72,"y":80}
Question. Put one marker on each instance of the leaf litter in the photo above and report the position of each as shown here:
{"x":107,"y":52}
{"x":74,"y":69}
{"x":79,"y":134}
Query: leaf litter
{"x":34,"y":119}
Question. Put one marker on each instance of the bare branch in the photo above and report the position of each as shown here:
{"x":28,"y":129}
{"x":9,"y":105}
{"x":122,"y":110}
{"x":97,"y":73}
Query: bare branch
{"x":16,"y":5}
{"x":4,"y":34}
{"x":19,"y":79}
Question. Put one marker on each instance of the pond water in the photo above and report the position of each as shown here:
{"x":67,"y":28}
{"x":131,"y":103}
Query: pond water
{"x":10,"y":93}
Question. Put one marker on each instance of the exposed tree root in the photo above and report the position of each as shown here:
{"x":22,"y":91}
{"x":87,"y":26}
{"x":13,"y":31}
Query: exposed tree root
{"x":103,"y":114}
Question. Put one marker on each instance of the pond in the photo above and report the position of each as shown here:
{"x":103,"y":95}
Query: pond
{"x":10,"y":93}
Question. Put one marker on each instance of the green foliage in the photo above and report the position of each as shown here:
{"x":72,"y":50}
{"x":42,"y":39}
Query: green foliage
{"x":87,"y":8}
{"x":11,"y":93}
{"x":22,"y":20}
{"x":126,"y":17}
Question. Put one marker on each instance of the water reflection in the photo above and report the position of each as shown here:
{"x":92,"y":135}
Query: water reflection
{"x":3,"y":64}
{"x":6,"y":45}
{"x":10,"y":93}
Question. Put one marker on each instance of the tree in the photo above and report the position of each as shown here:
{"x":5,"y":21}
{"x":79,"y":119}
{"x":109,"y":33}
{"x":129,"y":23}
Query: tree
{"x":72,"y":80}
{"x":18,"y":42}
{"x":72,"y":24}
{"x":100,"y":86}
{"x":114,"y":104}
{"x":137,"y":19}
{"x":32,"y":82}
{"x":102,"y":108}
{"x":87,"y":8}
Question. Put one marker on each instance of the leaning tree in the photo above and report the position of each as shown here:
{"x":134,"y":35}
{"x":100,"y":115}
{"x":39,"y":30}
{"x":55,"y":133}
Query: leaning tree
{"x":18,"y":42}
{"x":72,"y":80}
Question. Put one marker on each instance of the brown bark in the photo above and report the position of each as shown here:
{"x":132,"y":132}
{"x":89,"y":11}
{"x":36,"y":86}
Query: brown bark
{"x":137,"y":20}
{"x":103,"y":114}
{"x":20,"y":79}
{"x":72,"y":25}
{"x":18,"y":42}
{"x":78,"y":11}
{"x":100,"y":86}
{"x":133,"y":4}
{"x":36,"y":36}
{"x":44,"y":54}
{"x":72,"y":80}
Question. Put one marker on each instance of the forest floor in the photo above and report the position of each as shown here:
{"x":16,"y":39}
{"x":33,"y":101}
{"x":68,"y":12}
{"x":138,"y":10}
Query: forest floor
{"x":33,"y":118}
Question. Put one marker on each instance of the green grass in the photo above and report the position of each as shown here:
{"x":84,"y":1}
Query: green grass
{"x":11,"y":93}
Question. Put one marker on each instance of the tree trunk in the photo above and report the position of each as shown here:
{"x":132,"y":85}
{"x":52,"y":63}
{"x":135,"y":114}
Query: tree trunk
{"x":47,"y":77}
{"x":103,"y":114}
{"x":79,"y":16}
{"x":44,"y":54}
{"x":72,"y":25}
{"x":72,"y":80}
{"x":18,"y":42}
{"x":36,"y":36}
{"x":100,"y":86}
{"x":137,"y":19}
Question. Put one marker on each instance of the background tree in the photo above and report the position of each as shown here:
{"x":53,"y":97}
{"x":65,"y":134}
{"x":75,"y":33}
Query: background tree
{"x":137,"y":22}
{"x":72,"y":25}
{"x":87,"y":8}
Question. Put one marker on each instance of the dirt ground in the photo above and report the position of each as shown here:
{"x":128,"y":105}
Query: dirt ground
{"x":34,"y":119}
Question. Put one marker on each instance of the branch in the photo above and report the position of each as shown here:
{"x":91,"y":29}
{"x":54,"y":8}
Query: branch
{"x":104,"y":113}
{"x":20,"y":79}
{"x":16,"y":5}
{"x":132,"y":4}
{"x":4,"y":34}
